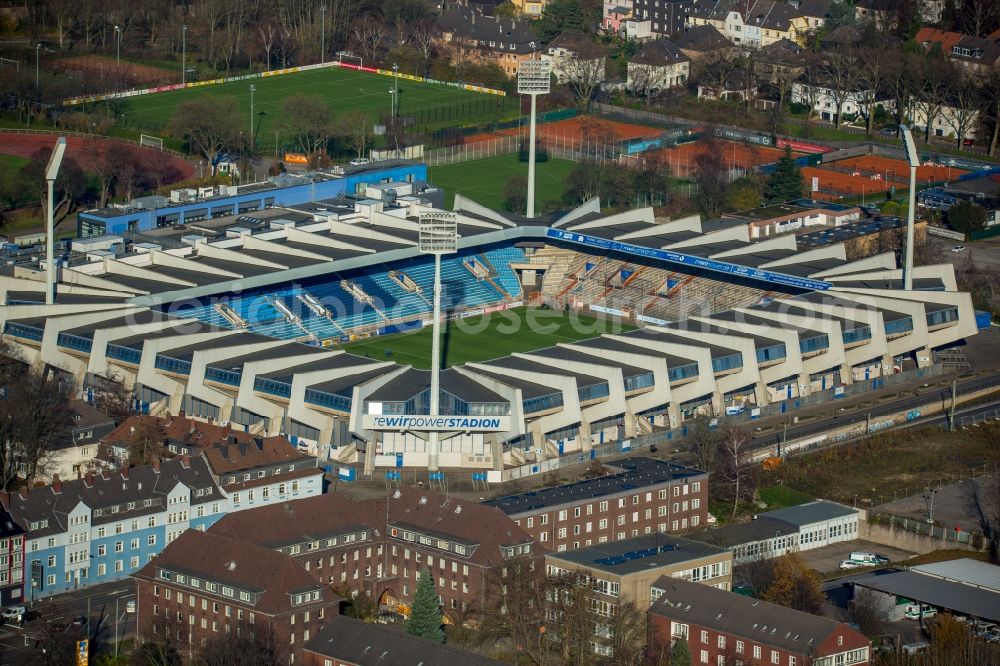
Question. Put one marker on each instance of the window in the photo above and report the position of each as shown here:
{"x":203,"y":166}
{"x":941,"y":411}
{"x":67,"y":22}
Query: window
{"x":775,"y":656}
{"x":756,"y":652}
{"x":704,"y":636}
{"x":704,"y":656}
{"x":722,"y":642}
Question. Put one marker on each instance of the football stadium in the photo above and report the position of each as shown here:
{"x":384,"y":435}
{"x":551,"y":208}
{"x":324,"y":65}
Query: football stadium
{"x":562,"y":332}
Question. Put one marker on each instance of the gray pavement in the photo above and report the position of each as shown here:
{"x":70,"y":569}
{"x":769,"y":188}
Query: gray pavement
{"x":828,"y":558}
{"x":953,"y":505}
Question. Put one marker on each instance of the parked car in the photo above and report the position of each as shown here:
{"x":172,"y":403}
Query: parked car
{"x":15,"y":614}
{"x":359,"y":161}
{"x":891,"y":130}
{"x":968,"y":142}
{"x":850,"y":564}
{"x":915,"y":648}
{"x":958,"y":248}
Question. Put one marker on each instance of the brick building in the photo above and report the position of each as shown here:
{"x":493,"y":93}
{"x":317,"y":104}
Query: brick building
{"x":377,"y":547}
{"x":625,"y":571}
{"x":641,"y":496}
{"x":470,"y":36}
{"x":728,"y":628}
{"x":204,"y":585}
{"x":345,"y":641}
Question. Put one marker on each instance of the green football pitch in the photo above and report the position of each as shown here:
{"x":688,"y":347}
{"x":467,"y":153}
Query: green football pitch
{"x":483,"y":180}
{"x":347,"y":90}
{"x":487,"y":337}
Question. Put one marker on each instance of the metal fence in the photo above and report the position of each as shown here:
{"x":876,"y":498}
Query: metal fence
{"x":84,"y":135}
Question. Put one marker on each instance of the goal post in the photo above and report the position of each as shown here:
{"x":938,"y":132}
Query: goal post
{"x":150,"y":141}
{"x":349,"y":58}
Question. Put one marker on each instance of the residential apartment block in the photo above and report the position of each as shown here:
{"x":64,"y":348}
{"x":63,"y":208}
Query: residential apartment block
{"x":641,"y":496}
{"x":471,"y":36}
{"x":107,"y":526}
{"x":11,"y":561}
{"x":203,"y":586}
{"x":378,"y":547}
{"x":728,"y":628}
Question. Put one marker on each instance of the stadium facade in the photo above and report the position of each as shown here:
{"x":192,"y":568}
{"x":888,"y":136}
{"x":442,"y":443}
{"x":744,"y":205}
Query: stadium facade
{"x":244,"y":327}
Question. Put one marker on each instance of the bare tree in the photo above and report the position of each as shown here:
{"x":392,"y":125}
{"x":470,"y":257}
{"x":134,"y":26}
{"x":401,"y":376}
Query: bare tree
{"x":871,"y":82}
{"x":736,"y":468}
{"x":209,"y":124}
{"x":308,"y":119}
{"x":249,"y":645}
{"x":932,"y":92}
{"x":516,"y":611}
{"x":368,"y":36}
{"x":841,"y":75}
{"x":705,"y":444}
{"x":711,"y":178}
{"x":869,"y":610}
{"x":584,"y":71}
{"x":35,"y":418}
{"x":964,"y":100}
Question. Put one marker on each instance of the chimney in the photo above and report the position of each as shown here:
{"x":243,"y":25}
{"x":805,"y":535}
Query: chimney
{"x":186,"y":461}
{"x":125,"y":471}
{"x":24,"y":492}
{"x":56,"y":484}
{"x":156,"y":465}
{"x":89,"y":480}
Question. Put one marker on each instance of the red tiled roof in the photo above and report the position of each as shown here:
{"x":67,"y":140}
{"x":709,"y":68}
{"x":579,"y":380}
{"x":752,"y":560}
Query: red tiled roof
{"x":415,"y":507}
{"x":945,"y":38}
{"x":241,"y":564}
{"x":178,"y":429}
{"x":223,"y":458}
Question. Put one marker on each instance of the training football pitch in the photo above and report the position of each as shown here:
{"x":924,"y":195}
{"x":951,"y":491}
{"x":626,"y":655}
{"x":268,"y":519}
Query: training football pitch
{"x":483,"y":180}
{"x":487,"y":337}
{"x":346,"y":90}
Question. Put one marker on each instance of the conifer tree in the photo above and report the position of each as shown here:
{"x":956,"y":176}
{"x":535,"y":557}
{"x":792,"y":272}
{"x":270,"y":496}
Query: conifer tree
{"x":785,"y":184}
{"x":425,"y":616}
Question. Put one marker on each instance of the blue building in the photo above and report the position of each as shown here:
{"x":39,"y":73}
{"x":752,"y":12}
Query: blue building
{"x":285,"y":190}
{"x":108,"y":526}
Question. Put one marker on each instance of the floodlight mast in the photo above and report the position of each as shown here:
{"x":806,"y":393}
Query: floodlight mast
{"x":51,"y":173}
{"x":534,"y":79}
{"x":914,"y":159}
{"x":438,"y":235}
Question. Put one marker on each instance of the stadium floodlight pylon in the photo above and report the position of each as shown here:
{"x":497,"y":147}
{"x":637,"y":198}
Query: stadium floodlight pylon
{"x":533,"y":78}
{"x":438,"y":235}
{"x":51,"y":173}
{"x":913,"y":157}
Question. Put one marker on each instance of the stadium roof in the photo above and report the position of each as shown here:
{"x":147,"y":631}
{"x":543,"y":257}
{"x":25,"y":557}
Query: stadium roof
{"x":650,"y":551}
{"x":635,"y":474}
{"x":945,"y":594}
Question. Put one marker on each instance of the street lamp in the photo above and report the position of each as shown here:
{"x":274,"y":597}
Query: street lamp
{"x":929,"y":498}
{"x":38,"y":48}
{"x":184,"y":32}
{"x":914,"y":159}
{"x":322,"y":33}
{"x":51,"y":172}
{"x":252,"y":89}
{"x":395,"y":90}
{"x":118,"y":58}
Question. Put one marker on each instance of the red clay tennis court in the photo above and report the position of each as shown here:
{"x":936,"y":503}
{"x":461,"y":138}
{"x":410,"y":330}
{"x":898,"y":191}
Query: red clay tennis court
{"x":833,"y":183}
{"x":893,"y":169}
{"x":574,"y":131}
{"x":735,"y":155}
{"x":168,"y":167}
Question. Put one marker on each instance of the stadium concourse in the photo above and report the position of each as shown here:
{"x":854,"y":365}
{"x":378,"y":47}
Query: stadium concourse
{"x":242,"y":325}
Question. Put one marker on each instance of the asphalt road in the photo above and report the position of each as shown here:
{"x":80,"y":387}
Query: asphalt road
{"x":859,"y":415}
{"x":97,"y":602}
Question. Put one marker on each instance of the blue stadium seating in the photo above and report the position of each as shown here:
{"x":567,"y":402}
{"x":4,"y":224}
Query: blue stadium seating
{"x":390,"y":301}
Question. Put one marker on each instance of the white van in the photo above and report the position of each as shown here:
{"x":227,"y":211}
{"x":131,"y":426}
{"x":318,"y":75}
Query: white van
{"x":869,"y":558}
{"x":917,"y":611}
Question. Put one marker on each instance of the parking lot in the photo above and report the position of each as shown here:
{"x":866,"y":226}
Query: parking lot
{"x":828,"y":558}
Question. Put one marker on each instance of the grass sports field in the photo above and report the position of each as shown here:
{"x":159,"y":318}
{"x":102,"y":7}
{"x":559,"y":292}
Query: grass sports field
{"x":487,"y":337}
{"x":345,"y":89}
{"x":483,"y":180}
